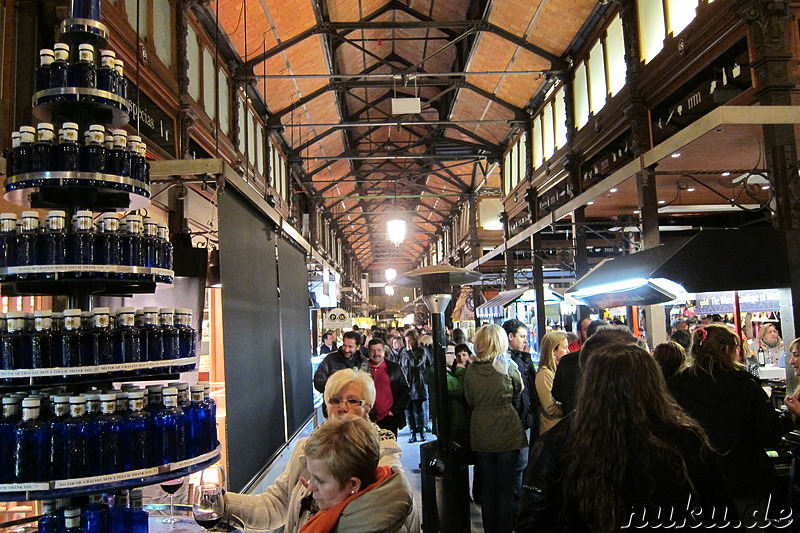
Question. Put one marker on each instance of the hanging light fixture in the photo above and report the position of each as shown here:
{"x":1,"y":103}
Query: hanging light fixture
{"x":396,"y":230}
{"x":390,"y":274}
{"x":389,"y":289}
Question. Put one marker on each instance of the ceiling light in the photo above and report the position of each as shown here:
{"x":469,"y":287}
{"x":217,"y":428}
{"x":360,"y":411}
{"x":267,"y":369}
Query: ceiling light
{"x":636,"y":212}
{"x":396,"y":230}
{"x":726,"y":174}
{"x":613,"y":190}
{"x":691,"y":189}
{"x":589,"y":203}
{"x":676,"y":154}
{"x":389,"y":289}
{"x":406,"y":299}
{"x":765,"y":188}
{"x":390,"y":274}
{"x":662,"y":202}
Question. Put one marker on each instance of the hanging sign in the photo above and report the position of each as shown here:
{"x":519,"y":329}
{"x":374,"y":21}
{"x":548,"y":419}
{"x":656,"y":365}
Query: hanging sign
{"x":336,"y":318}
{"x":752,"y":301}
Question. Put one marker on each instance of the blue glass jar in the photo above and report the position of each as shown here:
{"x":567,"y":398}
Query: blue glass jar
{"x":67,"y":154}
{"x":136,"y":159}
{"x":118,"y":515}
{"x":70,"y":339}
{"x":122,"y":83}
{"x":93,"y":153}
{"x":8,"y":240}
{"x":43,"y":148}
{"x":131,"y":242}
{"x":197,"y":423}
{"x":76,"y":439}
{"x":94,"y":518}
{"x":32,"y":445}
{"x":169,"y":428}
{"x":150,"y":242}
{"x":10,"y":417}
{"x":92,"y":404}
{"x":48,"y":523}
{"x":85,"y":9}
{"x":41,"y":341}
{"x":118,"y":160}
{"x":109,"y":427}
{"x":107,"y":251}
{"x":106,"y":75}
{"x":102,"y":337}
{"x":13,"y":341}
{"x":44,"y":70}
{"x":165,"y":252}
{"x":138,"y":433}
{"x":83,"y":73}
{"x":127,"y":346}
{"x":155,"y":399}
{"x":57,"y":443}
{"x":60,"y":66}
{"x":11,"y":155}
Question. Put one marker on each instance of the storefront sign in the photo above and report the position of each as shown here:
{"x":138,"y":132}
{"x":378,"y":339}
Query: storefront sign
{"x":155,"y":124}
{"x":336,"y":318}
{"x":749,"y":301}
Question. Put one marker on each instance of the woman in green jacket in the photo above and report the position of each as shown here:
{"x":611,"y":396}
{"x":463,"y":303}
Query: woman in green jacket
{"x":496,"y":432}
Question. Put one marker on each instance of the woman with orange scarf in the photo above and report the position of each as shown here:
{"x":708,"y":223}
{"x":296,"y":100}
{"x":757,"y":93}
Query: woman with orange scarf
{"x":352,"y":492}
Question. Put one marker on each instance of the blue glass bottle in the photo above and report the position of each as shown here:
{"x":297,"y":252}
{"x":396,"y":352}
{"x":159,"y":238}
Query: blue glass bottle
{"x":72,"y":520}
{"x":13,"y":341}
{"x":109,"y":427}
{"x":155,"y":399}
{"x":119,"y":514}
{"x":26,"y":243}
{"x":85,"y":9}
{"x":92,"y":404}
{"x":118,"y":160}
{"x":137,"y":518}
{"x":93,"y":153}
{"x":169,"y":332}
{"x":83,"y":73}
{"x":48,"y":523}
{"x":32,"y":445}
{"x":145,"y":173}
{"x":184,"y":397}
{"x":169,"y":429}
{"x":80,"y":243}
{"x":107,"y":244}
{"x":212,"y":406}
{"x":57,"y":443}
{"x":165,"y":254}
{"x":67,"y":154}
{"x":43,"y":148}
{"x":122,"y":403}
{"x":186,"y":336}
{"x":122,"y":83}
{"x":70,"y":339}
{"x":138,"y":434}
{"x":40,"y":341}
{"x":58,"y":70}
{"x":106,"y":75}
{"x":8,"y":422}
{"x":11,"y":155}
{"x":8,"y":240}
{"x":150,"y":242}
{"x":197,"y":424}
{"x":102,"y":337}
{"x":53,"y":242}
{"x":127,"y":347}
{"x":94,"y":518}
{"x":137,"y":163}
{"x":77,"y":439}
{"x":44,"y":71}
{"x":131,"y":242}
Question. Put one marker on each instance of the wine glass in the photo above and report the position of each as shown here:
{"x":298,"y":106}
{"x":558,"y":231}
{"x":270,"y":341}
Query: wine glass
{"x":209,"y":505}
{"x":172,"y":486}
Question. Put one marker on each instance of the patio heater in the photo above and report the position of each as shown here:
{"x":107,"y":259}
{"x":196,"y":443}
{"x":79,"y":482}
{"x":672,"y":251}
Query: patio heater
{"x":445,"y":481}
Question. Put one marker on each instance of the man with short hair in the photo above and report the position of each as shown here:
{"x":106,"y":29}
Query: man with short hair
{"x":347,"y":356}
{"x":327,"y":345}
{"x":391,"y":388}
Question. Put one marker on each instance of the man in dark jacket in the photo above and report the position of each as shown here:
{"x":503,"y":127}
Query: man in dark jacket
{"x":391,"y":388}
{"x":565,"y":384}
{"x":347,"y":356}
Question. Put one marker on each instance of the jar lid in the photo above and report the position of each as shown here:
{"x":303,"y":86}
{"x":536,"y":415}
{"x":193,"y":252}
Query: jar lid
{"x":126,"y":311}
{"x":166,"y":310}
{"x":81,"y":214}
{"x":135,"y":394}
{"x":108,"y":397}
{"x":46,"y":52}
{"x":45,"y":126}
{"x":12,"y":315}
{"x":8,"y":216}
{"x":196,"y":388}
{"x":56,"y":213}
{"x":155,"y":388}
{"x":76,"y":400}
{"x":108,"y":53}
{"x":86,"y":46}
{"x":31,"y":402}
{"x":150,"y":310}
{"x":30,"y":214}
{"x":27,"y":129}
{"x":69,"y":126}
{"x":97,"y":127}
{"x":170,"y":391}
{"x":61,"y":46}
{"x":101,"y":311}
{"x":43,"y":313}
{"x":72,"y":312}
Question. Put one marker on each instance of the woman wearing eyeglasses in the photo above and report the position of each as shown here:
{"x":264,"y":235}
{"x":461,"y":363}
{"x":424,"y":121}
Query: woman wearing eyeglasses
{"x":287,"y":502}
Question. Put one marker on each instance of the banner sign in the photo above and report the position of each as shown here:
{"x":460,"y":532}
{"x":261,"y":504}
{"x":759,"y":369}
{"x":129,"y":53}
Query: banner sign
{"x":749,"y":301}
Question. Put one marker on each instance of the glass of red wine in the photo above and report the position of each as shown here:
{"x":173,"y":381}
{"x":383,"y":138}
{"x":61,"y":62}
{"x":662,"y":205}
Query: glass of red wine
{"x":171,"y":487}
{"x":208,"y":499}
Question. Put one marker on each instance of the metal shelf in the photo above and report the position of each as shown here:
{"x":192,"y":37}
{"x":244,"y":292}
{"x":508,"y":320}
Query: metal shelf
{"x":66,"y":488}
{"x":89,"y":190}
{"x":81,"y":104}
{"x":79,"y":31}
{"x":96,"y":370}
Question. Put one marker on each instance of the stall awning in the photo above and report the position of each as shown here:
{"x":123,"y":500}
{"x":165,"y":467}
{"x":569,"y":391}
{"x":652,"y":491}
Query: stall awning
{"x":712,"y":260}
{"x":494,"y":307}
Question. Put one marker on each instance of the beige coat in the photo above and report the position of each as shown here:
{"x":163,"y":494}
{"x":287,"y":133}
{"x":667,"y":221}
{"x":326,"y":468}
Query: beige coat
{"x":550,"y":411}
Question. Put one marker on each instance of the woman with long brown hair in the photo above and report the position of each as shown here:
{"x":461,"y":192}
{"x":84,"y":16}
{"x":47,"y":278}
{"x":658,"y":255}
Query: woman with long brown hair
{"x":553,"y":347}
{"x":628,"y":457}
{"x":735,"y":412}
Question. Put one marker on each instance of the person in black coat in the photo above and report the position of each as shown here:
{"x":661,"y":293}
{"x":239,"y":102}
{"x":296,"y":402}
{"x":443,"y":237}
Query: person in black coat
{"x":565,"y":384}
{"x":735,"y":412}
{"x":414,"y":359}
{"x":628,"y":458}
{"x":391,"y":388}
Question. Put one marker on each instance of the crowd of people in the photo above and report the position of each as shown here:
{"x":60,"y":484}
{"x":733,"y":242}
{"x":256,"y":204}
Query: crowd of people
{"x":602,"y":435}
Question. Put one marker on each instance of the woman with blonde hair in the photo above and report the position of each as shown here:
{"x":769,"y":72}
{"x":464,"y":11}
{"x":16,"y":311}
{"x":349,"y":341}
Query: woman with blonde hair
{"x":554,"y":347}
{"x":496,"y":432}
